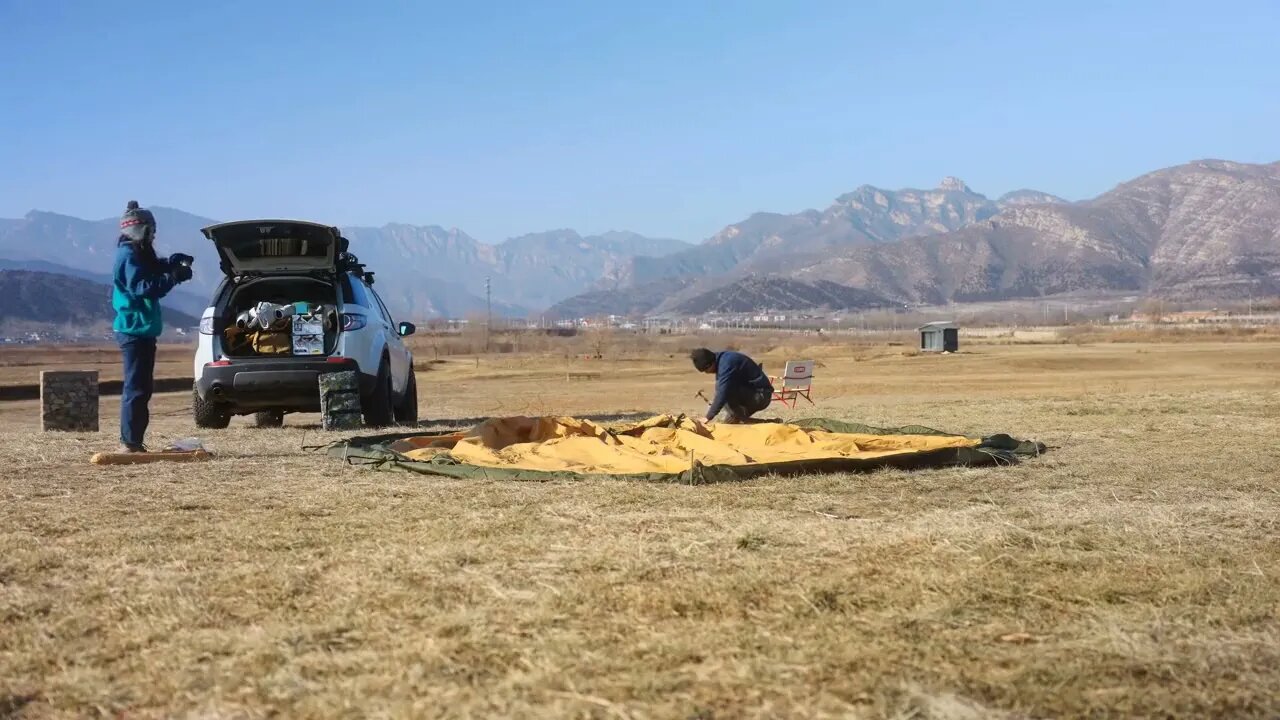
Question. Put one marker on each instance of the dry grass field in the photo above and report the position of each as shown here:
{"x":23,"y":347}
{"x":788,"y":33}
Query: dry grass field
{"x":1134,"y":571}
{"x":21,"y":365}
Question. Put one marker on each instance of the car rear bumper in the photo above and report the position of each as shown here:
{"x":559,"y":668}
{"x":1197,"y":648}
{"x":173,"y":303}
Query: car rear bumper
{"x":272,"y":383}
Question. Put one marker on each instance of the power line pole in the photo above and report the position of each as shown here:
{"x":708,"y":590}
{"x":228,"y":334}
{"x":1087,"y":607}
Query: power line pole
{"x":488,"y":307}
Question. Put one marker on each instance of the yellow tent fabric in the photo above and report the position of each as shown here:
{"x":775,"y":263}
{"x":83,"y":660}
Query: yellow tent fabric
{"x":662,"y":444}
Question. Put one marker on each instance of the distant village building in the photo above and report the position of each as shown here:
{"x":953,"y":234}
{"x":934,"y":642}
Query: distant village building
{"x":940,"y":336}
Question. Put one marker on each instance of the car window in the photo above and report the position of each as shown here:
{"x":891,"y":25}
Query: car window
{"x":348,"y":292}
{"x":360,"y":293}
{"x":386,"y":315}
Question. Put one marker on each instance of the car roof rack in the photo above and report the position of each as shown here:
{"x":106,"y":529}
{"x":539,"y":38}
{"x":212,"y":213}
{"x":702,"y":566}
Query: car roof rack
{"x":348,"y":262}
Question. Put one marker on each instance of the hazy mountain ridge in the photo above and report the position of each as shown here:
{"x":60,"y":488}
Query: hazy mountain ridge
{"x":1204,"y":228}
{"x":87,"y":248}
{"x":1029,"y":197}
{"x":420,"y":270}
{"x":178,"y":299}
{"x":1207,"y":228}
{"x":868,"y":215}
{"x":781,"y":294}
{"x":49,"y":298}
{"x":636,"y":300}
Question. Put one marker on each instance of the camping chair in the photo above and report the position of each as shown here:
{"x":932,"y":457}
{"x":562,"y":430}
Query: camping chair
{"x":797,"y":382}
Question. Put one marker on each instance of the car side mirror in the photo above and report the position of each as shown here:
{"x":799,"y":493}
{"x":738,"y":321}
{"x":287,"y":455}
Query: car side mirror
{"x":407,"y":329}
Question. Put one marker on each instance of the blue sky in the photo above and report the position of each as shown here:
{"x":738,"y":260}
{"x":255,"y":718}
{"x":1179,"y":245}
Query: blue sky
{"x":668,"y":118}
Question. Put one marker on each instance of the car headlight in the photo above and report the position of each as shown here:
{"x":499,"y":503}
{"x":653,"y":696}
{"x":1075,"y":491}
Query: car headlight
{"x":206,"y":326}
{"x":352,"y":321}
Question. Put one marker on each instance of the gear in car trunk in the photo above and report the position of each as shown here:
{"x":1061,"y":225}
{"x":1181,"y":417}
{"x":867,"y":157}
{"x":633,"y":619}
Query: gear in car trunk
{"x":305,"y":317}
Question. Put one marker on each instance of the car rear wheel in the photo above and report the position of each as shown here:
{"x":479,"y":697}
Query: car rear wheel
{"x":407,"y":410}
{"x":207,"y":413}
{"x":379,"y":406}
{"x":269,"y":418}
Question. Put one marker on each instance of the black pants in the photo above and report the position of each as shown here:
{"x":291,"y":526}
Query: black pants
{"x":742,"y":403}
{"x":139,"y":381}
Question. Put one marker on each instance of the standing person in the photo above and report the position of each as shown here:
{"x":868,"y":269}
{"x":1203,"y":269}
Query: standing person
{"x":741,"y":385}
{"x":140,"y":279}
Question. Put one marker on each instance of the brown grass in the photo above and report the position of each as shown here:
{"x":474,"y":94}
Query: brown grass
{"x":21,"y":365}
{"x":1132,"y":572}
{"x":1081,"y":334}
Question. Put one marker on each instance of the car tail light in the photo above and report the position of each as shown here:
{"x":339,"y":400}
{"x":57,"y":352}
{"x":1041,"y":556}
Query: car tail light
{"x":218,"y":363}
{"x":206,"y":326}
{"x":352,"y":321}
{"x":338,"y":360}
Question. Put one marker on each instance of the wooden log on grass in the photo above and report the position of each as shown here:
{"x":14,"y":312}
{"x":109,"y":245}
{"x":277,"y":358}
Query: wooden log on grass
{"x":138,"y":458}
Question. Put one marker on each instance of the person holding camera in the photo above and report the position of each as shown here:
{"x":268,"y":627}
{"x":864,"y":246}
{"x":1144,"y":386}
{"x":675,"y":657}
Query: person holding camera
{"x":140,"y":279}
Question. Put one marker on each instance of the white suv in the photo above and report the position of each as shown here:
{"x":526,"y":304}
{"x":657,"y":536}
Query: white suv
{"x":288,"y":262}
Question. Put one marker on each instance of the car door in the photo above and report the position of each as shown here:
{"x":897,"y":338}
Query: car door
{"x":396,"y":348}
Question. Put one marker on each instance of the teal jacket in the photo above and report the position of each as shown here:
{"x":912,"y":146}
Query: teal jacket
{"x":140,"y":280}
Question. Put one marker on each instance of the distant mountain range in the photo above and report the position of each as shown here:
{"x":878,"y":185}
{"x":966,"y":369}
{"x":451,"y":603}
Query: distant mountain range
{"x":1204,"y":229}
{"x":55,"y":299}
{"x":421,"y":271}
{"x":1208,"y":229}
{"x":868,"y":215}
{"x":430,"y":270}
{"x":756,"y":293}
{"x":179,"y":299}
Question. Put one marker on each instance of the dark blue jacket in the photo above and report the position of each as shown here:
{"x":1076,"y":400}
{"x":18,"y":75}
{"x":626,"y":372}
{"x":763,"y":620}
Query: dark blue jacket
{"x":735,"y":374}
{"x":140,"y":279}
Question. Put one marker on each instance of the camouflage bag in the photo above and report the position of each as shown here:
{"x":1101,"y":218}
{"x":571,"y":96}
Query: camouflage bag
{"x":340,"y":400}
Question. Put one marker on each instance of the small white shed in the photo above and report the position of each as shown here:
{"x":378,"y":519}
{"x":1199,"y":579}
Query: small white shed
{"x":940,"y":336}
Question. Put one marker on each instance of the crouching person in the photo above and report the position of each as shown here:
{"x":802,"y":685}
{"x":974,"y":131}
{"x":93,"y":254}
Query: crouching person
{"x":140,"y":279}
{"x":742,"y":388}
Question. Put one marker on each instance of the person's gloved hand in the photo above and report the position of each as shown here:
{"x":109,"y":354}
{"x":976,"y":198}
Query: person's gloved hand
{"x":181,"y":273}
{"x":180,"y":259}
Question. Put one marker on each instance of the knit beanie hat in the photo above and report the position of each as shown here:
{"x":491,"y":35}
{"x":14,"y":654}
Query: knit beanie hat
{"x":137,"y":224}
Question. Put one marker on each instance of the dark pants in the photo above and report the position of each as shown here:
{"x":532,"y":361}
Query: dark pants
{"x":139,"y":381}
{"x":745,"y":402}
